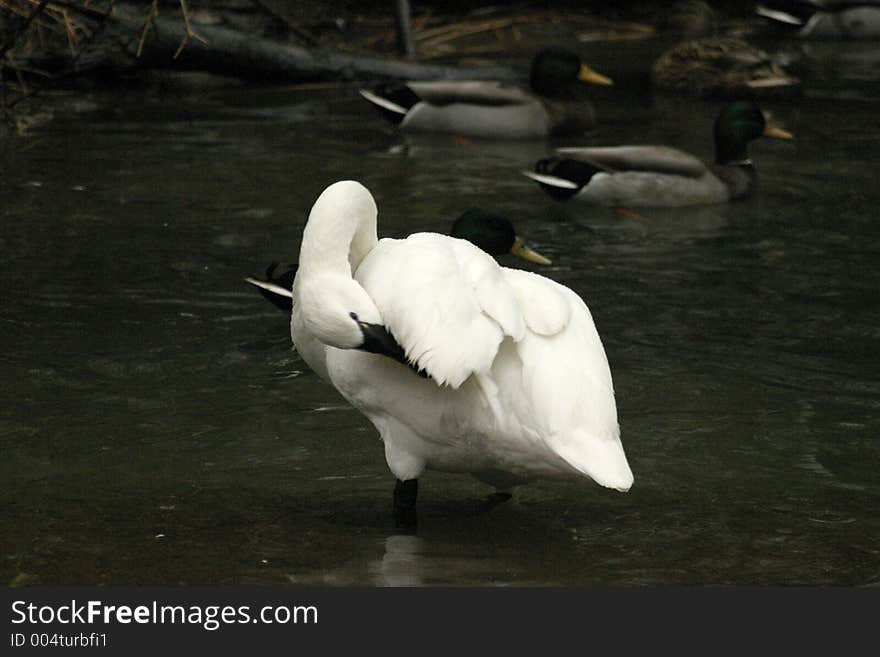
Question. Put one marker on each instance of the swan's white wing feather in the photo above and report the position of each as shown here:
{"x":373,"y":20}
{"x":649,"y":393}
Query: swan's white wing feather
{"x":565,"y":382}
{"x":529,"y":342}
{"x":545,"y":308}
{"x":445,"y":301}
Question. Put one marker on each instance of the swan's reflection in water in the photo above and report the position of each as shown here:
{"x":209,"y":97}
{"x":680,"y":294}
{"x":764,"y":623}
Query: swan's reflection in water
{"x":402,"y":560}
{"x":403,"y":563}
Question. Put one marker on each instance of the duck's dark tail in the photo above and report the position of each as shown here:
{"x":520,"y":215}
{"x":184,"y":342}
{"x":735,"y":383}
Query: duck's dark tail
{"x":561,"y":177}
{"x":793,"y":15}
{"x":276,"y":290}
{"x":392,"y":100}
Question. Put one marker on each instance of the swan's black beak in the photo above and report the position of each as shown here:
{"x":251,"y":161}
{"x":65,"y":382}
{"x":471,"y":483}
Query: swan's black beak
{"x":377,"y":340}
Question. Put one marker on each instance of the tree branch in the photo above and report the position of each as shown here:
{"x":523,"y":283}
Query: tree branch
{"x":36,"y":11}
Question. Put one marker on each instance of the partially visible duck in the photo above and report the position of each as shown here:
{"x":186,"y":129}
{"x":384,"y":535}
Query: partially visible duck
{"x":825,"y":19}
{"x":718,"y":66}
{"x":555,"y":103}
{"x":491,"y":232}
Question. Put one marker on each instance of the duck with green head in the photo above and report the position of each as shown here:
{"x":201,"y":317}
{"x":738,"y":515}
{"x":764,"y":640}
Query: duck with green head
{"x":555,"y":103}
{"x":491,"y":232}
{"x":661,"y":176}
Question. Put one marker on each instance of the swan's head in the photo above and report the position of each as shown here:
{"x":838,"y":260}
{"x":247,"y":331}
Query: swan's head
{"x":337,"y":310}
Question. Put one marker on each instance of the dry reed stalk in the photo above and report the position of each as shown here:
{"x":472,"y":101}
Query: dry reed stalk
{"x":188,"y":33}
{"x":148,"y":23}
{"x":464,"y":28}
{"x":587,"y":37}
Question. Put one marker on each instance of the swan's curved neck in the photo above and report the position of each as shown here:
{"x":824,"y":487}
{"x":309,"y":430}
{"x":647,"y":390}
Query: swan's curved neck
{"x":340,"y":232}
{"x":333,"y":307}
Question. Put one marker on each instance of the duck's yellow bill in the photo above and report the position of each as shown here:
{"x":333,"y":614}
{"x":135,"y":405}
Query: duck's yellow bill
{"x":586,"y":74}
{"x":777,"y":132}
{"x":520,"y":250}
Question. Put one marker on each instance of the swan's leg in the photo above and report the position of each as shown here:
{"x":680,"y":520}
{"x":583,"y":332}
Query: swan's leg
{"x":405,"y":494}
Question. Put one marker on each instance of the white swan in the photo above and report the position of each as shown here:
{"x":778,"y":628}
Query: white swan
{"x":514,"y":383}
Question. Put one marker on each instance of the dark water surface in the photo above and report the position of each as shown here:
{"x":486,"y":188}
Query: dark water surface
{"x":156,"y":427}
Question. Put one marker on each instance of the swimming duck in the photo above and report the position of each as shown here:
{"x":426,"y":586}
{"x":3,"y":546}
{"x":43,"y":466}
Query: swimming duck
{"x":461,"y":365}
{"x":661,"y":175}
{"x":555,"y":104}
{"x":718,"y":66}
{"x":487,"y":230}
{"x":825,"y":19}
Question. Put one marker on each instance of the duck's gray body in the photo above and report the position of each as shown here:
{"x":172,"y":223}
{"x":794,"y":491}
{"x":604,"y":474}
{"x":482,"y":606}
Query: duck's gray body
{"x":854,"y":23}
{"x":641,"y":188}
{"x":528,"y":120}
{"x":492,"y":110}
{"x":658,"y":176}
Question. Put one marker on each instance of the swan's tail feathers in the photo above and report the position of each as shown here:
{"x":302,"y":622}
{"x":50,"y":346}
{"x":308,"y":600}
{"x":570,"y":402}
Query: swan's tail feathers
{"x":599,"y":457}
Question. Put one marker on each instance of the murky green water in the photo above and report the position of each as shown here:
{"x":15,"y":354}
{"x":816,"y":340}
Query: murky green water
{"x":157,"y":429}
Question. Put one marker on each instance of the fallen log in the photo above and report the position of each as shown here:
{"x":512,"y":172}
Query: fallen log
{"x":230,"y":52}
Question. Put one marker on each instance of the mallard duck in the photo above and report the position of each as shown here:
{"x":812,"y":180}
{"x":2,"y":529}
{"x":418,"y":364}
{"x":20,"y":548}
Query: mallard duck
{"x":661,"y":175}
{"x":461,"y":365}
{"x":825,"y":19}
{"x":554,"y":105}
{"x":487,"y":230}
{"x":718,"y":66}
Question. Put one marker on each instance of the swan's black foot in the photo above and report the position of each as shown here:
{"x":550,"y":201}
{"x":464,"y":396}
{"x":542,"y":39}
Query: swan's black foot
{"x":405,"y":494}
{"x":492,"y":500}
